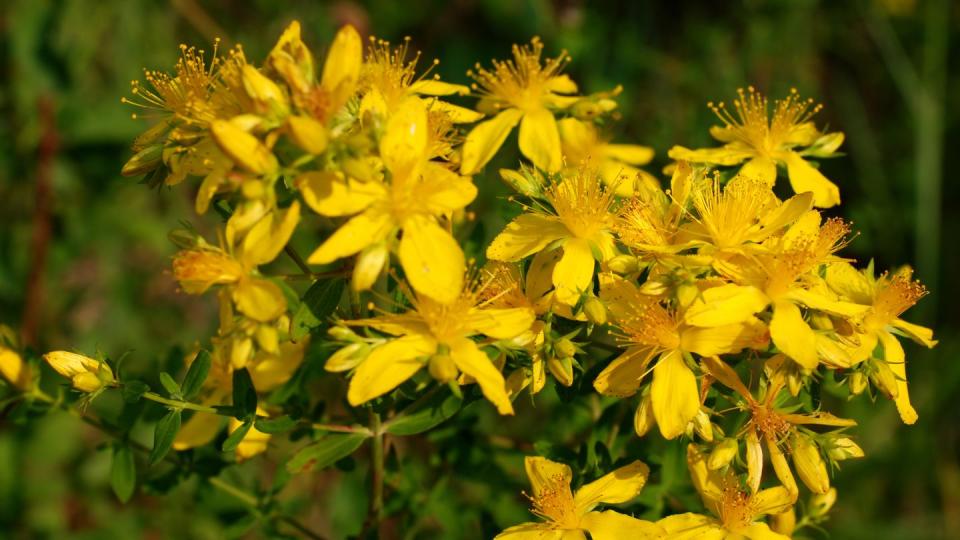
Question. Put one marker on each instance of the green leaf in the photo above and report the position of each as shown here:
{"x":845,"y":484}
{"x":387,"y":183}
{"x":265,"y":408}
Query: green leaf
{"x":325,"y":452}
{"x":275,"y":425}
{"x":319,"y":302}
{"x":196,"y":375}
{"x":244,"y":394}
{"x":426,"y":415}
{"x":170,"y":385}
{"x":123,"y":472}
{"x":132,"y":391}
{"x":164,"y":434}
{"x":238,"y":434}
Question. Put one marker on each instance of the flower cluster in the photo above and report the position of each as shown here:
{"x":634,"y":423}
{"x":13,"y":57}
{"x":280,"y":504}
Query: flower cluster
{"x":712,"y":305}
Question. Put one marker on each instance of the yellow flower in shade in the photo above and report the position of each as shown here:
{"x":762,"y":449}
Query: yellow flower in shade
{"x":418,"y":193}
{"x":887,"y":297}
{"x":197,"y":269}
{"x":85,"y":373}
{"x":581,"y":142}
{"x":736,"y":513}
{"x":436,"y":335}
{"x":579,"y":220}
{"x":388,"y":79}
{"x":521,"y":91}
{"x":14,"y":369}
{"x":570,"y":515}
{"x":763,"y":141}
{"x":776,"y":428}
{"x":721,"y":321}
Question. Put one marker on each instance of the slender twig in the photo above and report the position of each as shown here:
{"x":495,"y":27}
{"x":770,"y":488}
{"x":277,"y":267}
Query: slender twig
{"x":178,"y":404}
{"x":377,"y":467}
{"x":342,"y":429}
{"x":301,"y":264}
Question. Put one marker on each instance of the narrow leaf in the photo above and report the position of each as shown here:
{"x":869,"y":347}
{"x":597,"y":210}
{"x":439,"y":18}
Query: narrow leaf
{"x":244,"y":394}
{"x":236,"y":437}
{"x":426,"y":415}
{"x":325,"y":452}
{"x":164,"y":434}
{"x":123,"y":472}
{"x":196,"y":375}
{"x":170,"y":385}
{"x":132,"y":391}
{"x":319,"y":302}
{"x":275,"y":425}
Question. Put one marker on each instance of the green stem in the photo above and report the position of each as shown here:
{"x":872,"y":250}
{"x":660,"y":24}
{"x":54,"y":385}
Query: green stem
{"x":178,"y":404}
{"x":301,"y":264}
{"x":235,"y":492}
{"x":376,"y":458}
{"x":342,"y":429}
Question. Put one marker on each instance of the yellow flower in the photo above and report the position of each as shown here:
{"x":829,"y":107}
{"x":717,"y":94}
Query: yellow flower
{"x":751,"y":135}
{"x":12,"y":367}
{"x":438,"y":332}
{"x":417,"y":194}
{"x":521,"y":91}
{"x":197,"y":269}
{"x":735,"y":512}
{"x":568,"y":515}
{"x":85,"y":373}
{"x":887,"y":297}
{"x":777,"y":427}
{"x":579,"y":219}
{"x":721,"y":321}
{"x":388,"y":80}
{"x":648,"y":223}
{"x":617,"y":163}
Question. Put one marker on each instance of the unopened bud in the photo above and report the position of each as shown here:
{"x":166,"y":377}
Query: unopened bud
{"x":843,"y":448}
{"x":253,"y":189}
{"x":243,"y":148}
{"x":85,"y":373}
{"x":623,"y":264}
{"x":702,"y":426}
{"x":265,"y":92}
{"x":359,"y":168}
{"x":643,"y":420}
{"x":442,"y":368}
{"x":595,"y":311}
{"x":308,"y":134}
{"x":565,"y":348}
{"x":784,"y":522}
{"x":722,"y":454}
{"x":143,"y":161}
{"x":857,"y":383}
{"x":341,"y":333}
{"x":687,"y":294}
{"x":522,"y":182}
{"x":809,"y":463}
{"x":369,"y":264}
{"x":884,"y":378}
{"x":562,"y":370}
{"x":347,"y":357}
{"x":14,"y":369}
{"x":821,"y":503}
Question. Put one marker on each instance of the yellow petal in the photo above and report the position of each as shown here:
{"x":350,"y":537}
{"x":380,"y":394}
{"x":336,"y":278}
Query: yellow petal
{"x":920,"y":334}
{"x":199,"y":430}
{"x":538,"y":531}
{"x":760,"y":531}
{"x":14,"y":369}
{"x":760,"y":168}
{"x":623,"y":376}
{"x":354,"y":235}
{"x":820,"y":302}
{"x":501,"y":323}
{"x":432,"y":260}
{"x":893,"y":355}
{"x":444,"y":191}
{"x":709,"y":484}
{"x":475,"y":363}
{"x":330,"y":194}
{"x":675,"y":396}
{"x":722,"y":372}
{"x":485,"y":139}
{"x":849,"y":282}
{"x":610,"y":525}
{"x":259,"y":299}
{"x":634,"y":154}
{"x":388,"y":366}
{"x":804,"y":177}
{"x":308,"y":134}
{"x":436,"y":87}
{"x":729,"y":338}
{"x":524,"y":236}
{"x":540,"y":139}
{"x":561,"y":84}
{"x":773,"y":500}
{"x":243,"y":148}
{"x":809,"y":463}
{"x":574,"y":272}
{"x":725,"y":155}
{"x":456,"y":114}
{"x":269,"y":236}
{"x":70,"y":364}
{"x":404,"y":141}
{"x":342,"y":66}
{"x":780,"y":466}
{"x":546,"y":474}
{"x":692,"y":527}
{"x":618,"y":486}
{"x":792,"y":335}
{"x":726,"y":304}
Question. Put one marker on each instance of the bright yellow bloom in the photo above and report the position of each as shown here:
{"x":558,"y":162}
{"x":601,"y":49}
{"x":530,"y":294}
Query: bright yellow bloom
{"x":763,"y":141}
{"x":418,"y":193}
{"x":521,"y":91}
{"x":85,"y":373}
{"x":887,"y":297}
{"x":197,"y":269}
{"x":568,"y":515}
{"x":720,"y":322}
{"x":581,"y":142}
{"x":648,"y":223}
{"x":736,"y":513}
{"x":438,"y":332}
{"x":579,"y":219}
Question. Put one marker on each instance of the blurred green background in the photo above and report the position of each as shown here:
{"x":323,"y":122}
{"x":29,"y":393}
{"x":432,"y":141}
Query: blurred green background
{"x":84,"y":258}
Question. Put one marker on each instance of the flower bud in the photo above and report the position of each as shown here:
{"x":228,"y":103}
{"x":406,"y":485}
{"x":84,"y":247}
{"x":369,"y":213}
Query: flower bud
{"x":369,"y":265}
{"x":821,"y":503}
{"x":784,"y":522}
{"x":562,"y":370}
{"x":523,"y":182}
{"x":347,"y":357}
{"x":86,"y":374}
{"x":643,"y":420}
{"x":843,"y":448}
{"x":143,"y":161}
{"x":268,"y":95}
{"x":623,"y":264}
{"x":722,"y":454}
{"x":702,"y":426}
{"x":442,"y":368}
{"x":14,"y":369}
{"x":308,"y":134}
{"x":341,"y":333}
{"x":809,"y":463}
{"x":884,"y":378}
{"x":565,"y":348}
{"x":243,"y":148}
{"x":595,"y":311}
{"x":857,"y":383}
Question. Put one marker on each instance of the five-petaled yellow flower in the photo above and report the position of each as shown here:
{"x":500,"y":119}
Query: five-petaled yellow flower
{"x":618,"y":163}
{"x":751,"y":135}
{"x":569,"y":516}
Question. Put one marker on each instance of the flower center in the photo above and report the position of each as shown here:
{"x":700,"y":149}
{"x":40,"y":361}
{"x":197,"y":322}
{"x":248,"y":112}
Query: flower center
{"x":521,"y":82}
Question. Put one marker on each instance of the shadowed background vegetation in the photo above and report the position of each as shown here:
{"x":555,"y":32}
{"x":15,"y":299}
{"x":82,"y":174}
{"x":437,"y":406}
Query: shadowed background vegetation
{"x":84,"y":259}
